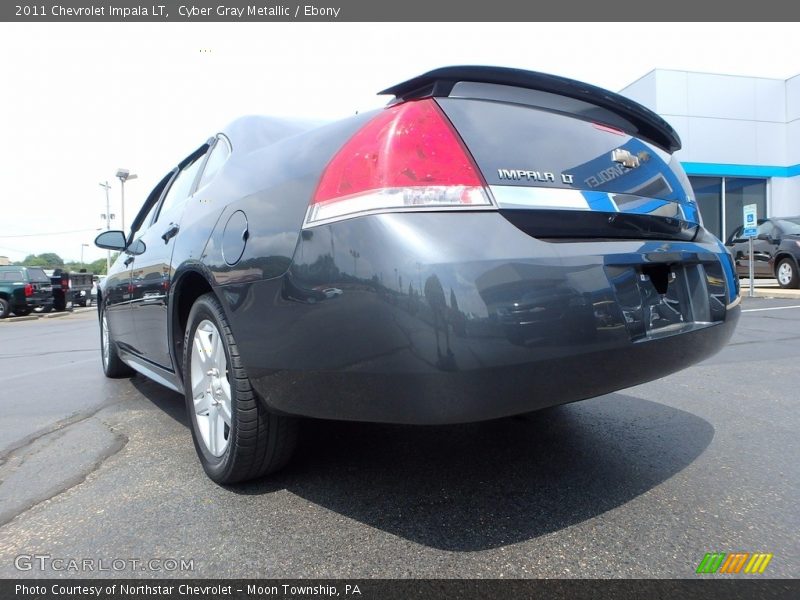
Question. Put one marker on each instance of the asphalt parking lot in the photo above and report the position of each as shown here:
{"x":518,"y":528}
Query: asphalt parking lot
{"x":640,"y":483}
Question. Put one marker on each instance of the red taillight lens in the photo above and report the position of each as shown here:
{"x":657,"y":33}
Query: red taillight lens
{"x":608,"y":129}
{"x":407,"y":157}
{"x":28,"y":289}
{"x":64,"y":284}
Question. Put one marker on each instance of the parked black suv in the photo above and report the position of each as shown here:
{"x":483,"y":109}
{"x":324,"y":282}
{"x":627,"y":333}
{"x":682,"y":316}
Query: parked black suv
{"x":776,"y":251}
{"x":22,"y":289}
{"x":70,"y":289}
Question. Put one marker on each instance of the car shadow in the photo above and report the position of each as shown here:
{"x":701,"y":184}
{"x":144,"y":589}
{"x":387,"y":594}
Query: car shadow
{"x":483,"y":485}
{"x":169,"y":402}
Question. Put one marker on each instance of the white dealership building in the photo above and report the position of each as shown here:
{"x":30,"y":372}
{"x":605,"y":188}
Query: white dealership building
{"x":741,"y":140}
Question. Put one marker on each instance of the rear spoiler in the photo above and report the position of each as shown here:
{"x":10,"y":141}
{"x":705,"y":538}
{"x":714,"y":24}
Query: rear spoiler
{"x":642,"y":122}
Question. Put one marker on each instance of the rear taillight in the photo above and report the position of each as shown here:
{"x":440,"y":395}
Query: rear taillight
{"x":64,"y":284}
{"x":408,"y":157}
{"x":28,"y":290}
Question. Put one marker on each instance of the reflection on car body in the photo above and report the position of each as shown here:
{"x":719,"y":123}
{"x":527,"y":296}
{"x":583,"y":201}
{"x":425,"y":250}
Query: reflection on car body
{"x":776,"y":250}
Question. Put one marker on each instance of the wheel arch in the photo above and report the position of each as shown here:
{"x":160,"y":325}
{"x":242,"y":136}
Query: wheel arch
{"x":779,"y":256}
{"x":188,"y":285}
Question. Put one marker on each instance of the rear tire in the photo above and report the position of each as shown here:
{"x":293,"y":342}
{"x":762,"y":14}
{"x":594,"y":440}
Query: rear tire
{"x":235,"y":436}
{"x":4,"y":308}
{"x":786,"y":274}
{"x":22,"y":312}
{"x":113,"y":366}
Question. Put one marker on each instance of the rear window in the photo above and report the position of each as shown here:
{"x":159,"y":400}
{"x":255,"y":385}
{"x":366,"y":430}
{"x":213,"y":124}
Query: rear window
{"x":11,"y":276}
{"x":789,"y":226}
{"x":35,"y":274}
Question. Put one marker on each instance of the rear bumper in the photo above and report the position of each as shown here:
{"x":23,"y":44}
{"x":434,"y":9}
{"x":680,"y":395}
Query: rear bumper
{"x":37,"y":302}
{"x":483,"y":394}
{"x":464,"y":317}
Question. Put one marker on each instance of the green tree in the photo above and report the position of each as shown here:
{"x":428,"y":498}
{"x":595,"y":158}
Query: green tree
{"x":98,"y":267}
{"x":48,"y":260}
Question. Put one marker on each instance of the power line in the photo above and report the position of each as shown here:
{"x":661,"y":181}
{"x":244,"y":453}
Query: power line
{"x":21,"y":235}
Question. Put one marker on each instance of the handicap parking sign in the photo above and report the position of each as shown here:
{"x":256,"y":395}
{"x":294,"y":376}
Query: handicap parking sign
{"x":750,"y":219}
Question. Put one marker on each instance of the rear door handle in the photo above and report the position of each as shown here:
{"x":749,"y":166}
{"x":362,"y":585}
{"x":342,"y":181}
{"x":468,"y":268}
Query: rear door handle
{"x":127,"y":261}
{"x":170,"y":233}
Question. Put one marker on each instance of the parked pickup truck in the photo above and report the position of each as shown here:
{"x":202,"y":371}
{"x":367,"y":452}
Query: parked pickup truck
{"x":70,"y":289}
{"x":22,"y":289}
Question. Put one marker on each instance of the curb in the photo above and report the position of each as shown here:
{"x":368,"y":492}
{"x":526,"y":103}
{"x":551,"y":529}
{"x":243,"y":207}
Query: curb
{"x":52,"y":315}
{"x":16,"y":319}
{"x":767,"y":288}
{"x":774,"y":293}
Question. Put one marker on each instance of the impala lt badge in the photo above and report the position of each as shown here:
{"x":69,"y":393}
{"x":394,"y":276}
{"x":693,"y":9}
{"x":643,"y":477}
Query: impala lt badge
{"x":529,"y":175}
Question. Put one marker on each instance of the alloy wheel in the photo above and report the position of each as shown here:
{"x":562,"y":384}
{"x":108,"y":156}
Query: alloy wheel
{"x":211,"y":389}
{"x":104,"y":339}
{"x":785,"y":273}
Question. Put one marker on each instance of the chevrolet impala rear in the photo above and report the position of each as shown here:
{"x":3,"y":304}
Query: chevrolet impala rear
{"x":492,"y":242}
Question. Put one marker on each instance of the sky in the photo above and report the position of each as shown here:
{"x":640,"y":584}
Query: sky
{"x":79,"y":101}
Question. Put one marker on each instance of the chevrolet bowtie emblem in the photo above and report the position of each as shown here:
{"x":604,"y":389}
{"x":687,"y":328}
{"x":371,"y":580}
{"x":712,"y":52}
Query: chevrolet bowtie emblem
{"x":625,"y":158}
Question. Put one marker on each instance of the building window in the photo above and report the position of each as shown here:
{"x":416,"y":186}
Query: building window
{"x":740,"y":192}
{"x":721,"y":200}
{"x":708,"y":193}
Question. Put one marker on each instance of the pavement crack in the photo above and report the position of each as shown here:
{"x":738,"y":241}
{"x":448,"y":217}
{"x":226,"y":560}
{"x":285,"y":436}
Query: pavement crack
{"x":13,"y":506}
{"x":771,"y":341}
{"x":59,"y":425}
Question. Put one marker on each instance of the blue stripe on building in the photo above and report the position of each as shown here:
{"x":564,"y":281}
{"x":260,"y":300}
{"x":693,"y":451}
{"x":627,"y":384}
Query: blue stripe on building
{"x":731,"y":170}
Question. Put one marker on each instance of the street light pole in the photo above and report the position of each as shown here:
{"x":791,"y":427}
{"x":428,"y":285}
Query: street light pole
{"x":108,"y":223}
{"x":82,"y":247}
{"x":124,"y":175}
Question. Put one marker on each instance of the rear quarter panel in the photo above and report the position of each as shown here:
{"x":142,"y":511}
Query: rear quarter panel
{"x":272,"y":187}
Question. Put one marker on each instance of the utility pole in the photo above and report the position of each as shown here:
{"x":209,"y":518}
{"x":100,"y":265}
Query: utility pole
{"x":108,"y":216}
{"x":355,"y":256}
{"x":124,"y":175}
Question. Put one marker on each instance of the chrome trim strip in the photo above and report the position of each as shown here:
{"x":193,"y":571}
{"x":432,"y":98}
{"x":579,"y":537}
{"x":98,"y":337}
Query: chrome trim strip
{"x":400,"y":209}
{"x":520,"y":197}
{"x":513,"y":196}
{"x":143,"y":366}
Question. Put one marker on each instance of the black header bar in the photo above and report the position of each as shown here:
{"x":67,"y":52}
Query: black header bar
{"x":703,"y":587}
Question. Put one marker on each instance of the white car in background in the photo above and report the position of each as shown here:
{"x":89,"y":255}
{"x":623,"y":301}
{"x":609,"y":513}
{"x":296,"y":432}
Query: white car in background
{"x":98,"y":279}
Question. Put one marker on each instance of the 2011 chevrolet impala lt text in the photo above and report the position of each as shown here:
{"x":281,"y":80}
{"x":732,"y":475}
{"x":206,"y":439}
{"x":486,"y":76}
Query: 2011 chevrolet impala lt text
{"x":492,"y":242}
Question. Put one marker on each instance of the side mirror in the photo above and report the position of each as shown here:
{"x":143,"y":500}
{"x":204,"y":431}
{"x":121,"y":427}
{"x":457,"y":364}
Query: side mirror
{"x":763,"y":236}
{"x":136,"y":248}
{"x":111,"y":240}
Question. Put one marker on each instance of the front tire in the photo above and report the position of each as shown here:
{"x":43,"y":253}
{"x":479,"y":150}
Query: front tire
{"x":113,"y":366}
{"x":786,"y":274}
{"x":235,"y":436}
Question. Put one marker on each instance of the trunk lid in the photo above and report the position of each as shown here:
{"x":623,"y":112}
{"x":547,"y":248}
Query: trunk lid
{"x":536,"y":159}
{"x":563,"y":158}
